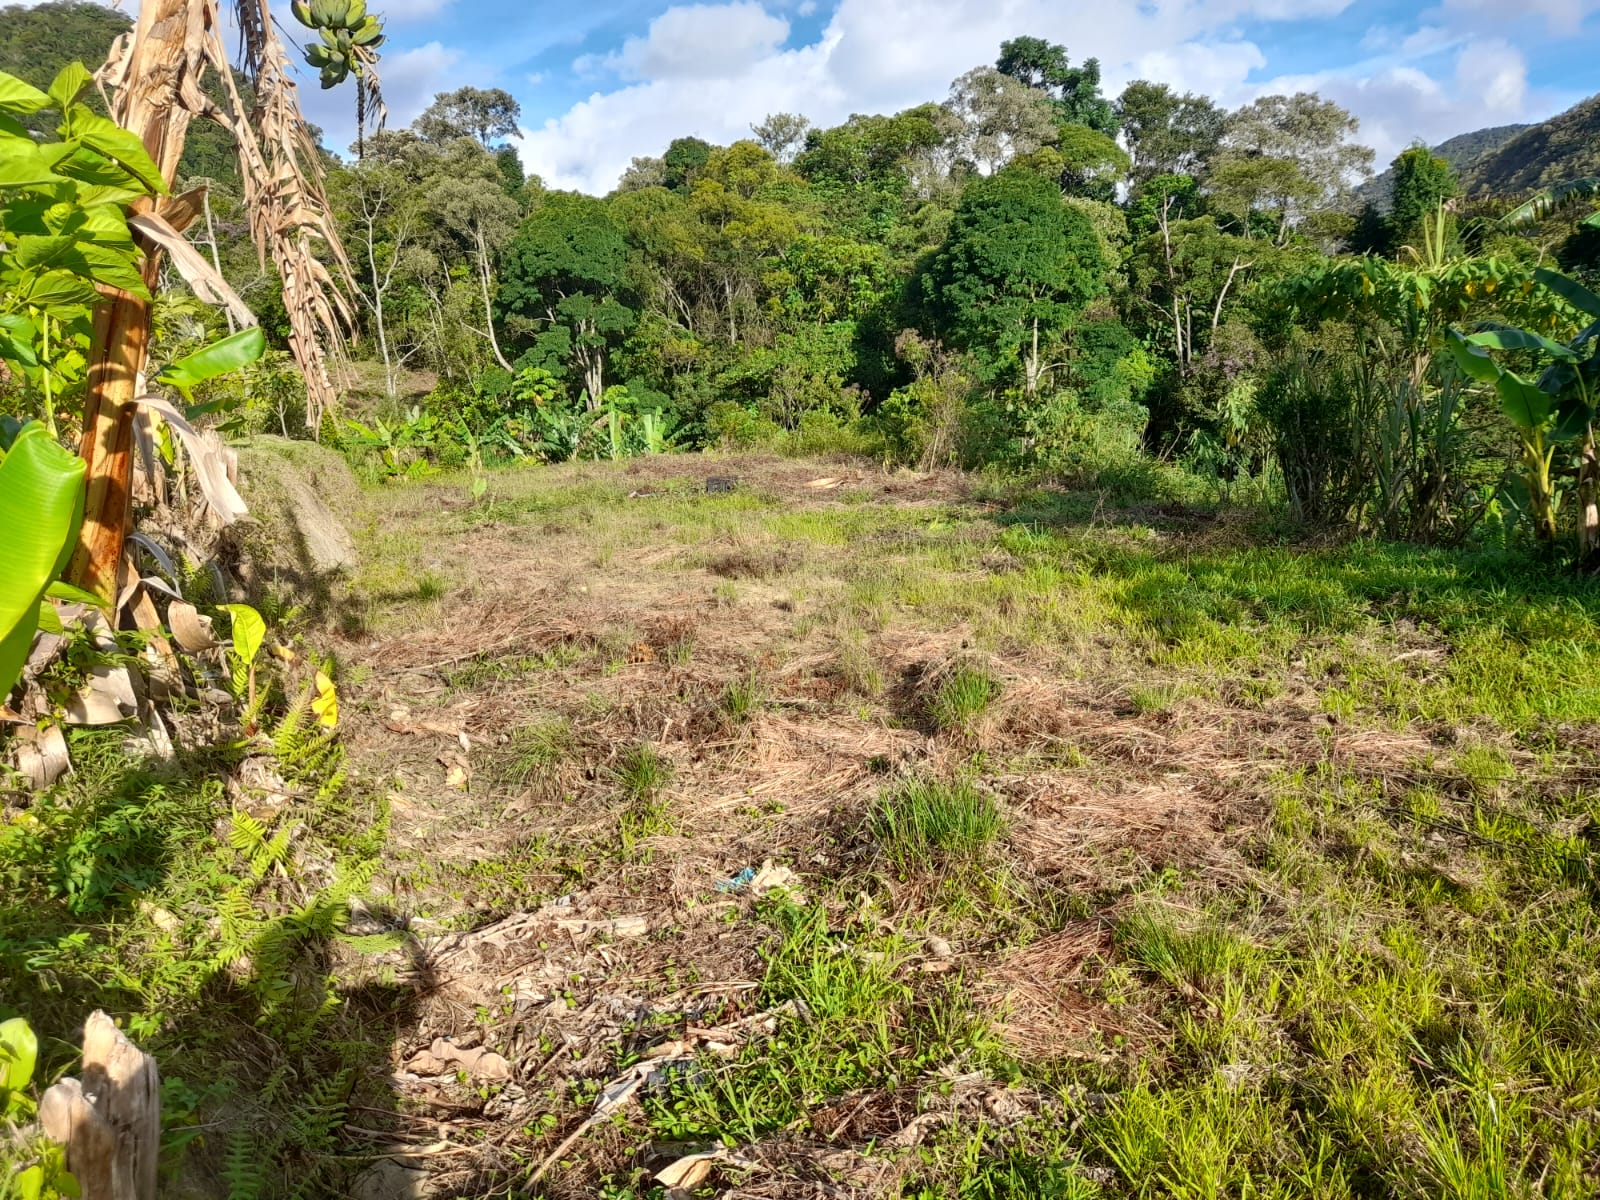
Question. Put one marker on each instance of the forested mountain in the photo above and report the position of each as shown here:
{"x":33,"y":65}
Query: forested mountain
{"x":37,"y":42}
{"x":1563,"y":148}
{"x":1460,"y":152}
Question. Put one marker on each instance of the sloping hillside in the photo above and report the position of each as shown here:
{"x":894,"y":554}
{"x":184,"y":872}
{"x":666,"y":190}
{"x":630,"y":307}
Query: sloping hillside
{"x":1562,"y":148}
{"x":1460,"y":152}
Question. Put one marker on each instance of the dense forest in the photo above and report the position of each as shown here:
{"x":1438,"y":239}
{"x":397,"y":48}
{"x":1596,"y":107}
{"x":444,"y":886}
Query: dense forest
{"x":1027,"y":273}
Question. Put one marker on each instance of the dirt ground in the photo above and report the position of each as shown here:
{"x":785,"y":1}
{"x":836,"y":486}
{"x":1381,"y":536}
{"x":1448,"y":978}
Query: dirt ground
{"x":518,"y":652}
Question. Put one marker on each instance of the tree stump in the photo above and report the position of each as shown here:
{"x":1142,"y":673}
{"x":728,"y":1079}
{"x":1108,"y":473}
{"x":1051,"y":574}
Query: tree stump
{"x":110,"y":1122}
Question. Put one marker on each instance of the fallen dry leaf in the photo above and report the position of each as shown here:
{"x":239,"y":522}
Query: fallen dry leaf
{"x":445,"y":1056}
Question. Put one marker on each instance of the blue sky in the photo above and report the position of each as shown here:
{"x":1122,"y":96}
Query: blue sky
{"x":602,"y":82}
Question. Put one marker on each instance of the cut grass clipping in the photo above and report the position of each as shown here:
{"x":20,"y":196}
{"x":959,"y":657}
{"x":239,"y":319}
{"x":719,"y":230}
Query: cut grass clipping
{"x":924,"y":822}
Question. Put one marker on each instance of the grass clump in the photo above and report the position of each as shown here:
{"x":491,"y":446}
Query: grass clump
{"x":741,"y":700}
{"x":924,"y":822}
{"x":642,"y":773}
{"x":962,"y":697}
{"x":536,"y":752}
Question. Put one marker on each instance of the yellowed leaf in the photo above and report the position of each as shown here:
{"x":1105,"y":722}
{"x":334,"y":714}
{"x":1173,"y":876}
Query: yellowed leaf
{"x":326,"y":702}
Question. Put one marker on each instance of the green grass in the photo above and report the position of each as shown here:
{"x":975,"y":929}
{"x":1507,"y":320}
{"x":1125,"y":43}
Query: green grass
{"x":641,"y":773}
{"x":742,"y":700}
{"x":962,"y":697}
{"x":925,"y":823}
{"x":1377,"y":981}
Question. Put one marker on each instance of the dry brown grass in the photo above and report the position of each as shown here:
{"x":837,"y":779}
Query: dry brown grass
{"x":625,"y":635}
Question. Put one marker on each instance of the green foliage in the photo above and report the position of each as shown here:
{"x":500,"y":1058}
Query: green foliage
{"x":924,"y":824}
{"x":1323,"y":415}
{"x":642,"y":773}
{"x":1074,"y":91}
{"x":41,"y":506}
{"x":1559,"y":406}
{"x":62,"y":219}
{"x":1017,"y":268}
{"x":962,"y":697}
{"x":562,"y":281}
{"x":1422,"y":182}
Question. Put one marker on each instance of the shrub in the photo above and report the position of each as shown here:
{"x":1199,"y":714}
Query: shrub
{"x":1320,"y":413}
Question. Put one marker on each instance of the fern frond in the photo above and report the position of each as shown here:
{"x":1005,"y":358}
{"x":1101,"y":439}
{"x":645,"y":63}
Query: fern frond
{"x":244,"y":1167}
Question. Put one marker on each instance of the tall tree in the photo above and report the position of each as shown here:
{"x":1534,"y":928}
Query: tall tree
{"x":1290,"y":157}
{"x":782,"y":134}
{"x":474,"y":219}
{"x":381,"y":211}
{"x":487,"y":115}
{"x":1017,"y":268}
{"x":1422,"y":181}
{"x":563,"y":279}
{"x":684,"y":160}
{"x":1000,"y":118}
{"x":1075,"y":91}
{"x":1168,"y":134}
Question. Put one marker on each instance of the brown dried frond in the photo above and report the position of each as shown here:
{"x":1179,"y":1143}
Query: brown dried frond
{"x":290,"y":221}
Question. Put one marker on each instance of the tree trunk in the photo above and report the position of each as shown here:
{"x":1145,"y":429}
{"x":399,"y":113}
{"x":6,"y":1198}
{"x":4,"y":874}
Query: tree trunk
{"x":488,"y":303}
{"x":160,"y":63}
{"x":1031,"y":367}
{"x":110,"y":1122}
{"x":379,"y":286}
{"x":1589,"y":500}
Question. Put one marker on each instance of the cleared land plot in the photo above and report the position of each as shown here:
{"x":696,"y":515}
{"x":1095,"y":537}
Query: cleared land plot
{"x":1121,"y":854}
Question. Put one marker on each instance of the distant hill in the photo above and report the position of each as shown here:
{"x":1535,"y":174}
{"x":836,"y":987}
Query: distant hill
{"x":1460,"y":152}
{"x":1562,"y":148}
{"x":37,"y":42}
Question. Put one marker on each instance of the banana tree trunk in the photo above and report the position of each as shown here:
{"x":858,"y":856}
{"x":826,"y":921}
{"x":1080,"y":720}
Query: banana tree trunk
{"x":158,"y":64}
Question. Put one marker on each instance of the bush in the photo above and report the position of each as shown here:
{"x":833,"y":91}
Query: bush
{"x":1320,"y":414}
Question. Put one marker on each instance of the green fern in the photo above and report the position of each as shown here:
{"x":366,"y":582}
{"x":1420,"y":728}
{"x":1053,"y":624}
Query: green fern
{"x":314,"y":1125}
{"x":245,"y":1167}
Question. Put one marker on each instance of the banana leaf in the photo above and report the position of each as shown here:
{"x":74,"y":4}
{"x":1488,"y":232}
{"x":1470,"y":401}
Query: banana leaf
{"x":227,"y":354}
{"x":41,"y":507}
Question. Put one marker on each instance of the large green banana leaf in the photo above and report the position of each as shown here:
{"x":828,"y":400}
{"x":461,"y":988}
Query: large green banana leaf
{"x":41,"y":507}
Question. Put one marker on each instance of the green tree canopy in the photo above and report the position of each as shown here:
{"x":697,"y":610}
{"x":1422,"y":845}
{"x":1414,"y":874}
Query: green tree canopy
{"x":1075,"y":91}
{"x":486,"y":115}
{"x":1422,"y":181}
{"x":1168,"y":134}
{"x":562,"y":279}
{"x":684,"y":160}
{"x":1017,"y":268}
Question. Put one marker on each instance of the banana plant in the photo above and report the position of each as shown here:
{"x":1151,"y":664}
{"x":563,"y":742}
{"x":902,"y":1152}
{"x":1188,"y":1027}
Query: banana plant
{"x":1553,"y":200}
{"x":350,"y":37}
{"x":41,"y":508}
{"x":1557,"y":407}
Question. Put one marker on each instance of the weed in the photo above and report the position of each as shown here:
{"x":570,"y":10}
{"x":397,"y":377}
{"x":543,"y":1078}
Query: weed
{"x":923,"y":822}
{"x":535,"y":753}
{"x":962,"y":697}
{"x":642,"y":773}
{"x":432,"y":586}
{"x":742,"y":699}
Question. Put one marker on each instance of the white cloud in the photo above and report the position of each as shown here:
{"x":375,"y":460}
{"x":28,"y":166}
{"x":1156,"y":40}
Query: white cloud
{"x":1561,"y":17}
{"x":712,"y":70}
{"x":696,"y":41}
{"x":1399,"y":104}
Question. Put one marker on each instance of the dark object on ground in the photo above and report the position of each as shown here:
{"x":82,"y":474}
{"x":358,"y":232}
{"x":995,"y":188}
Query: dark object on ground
{"x":721,"y":484}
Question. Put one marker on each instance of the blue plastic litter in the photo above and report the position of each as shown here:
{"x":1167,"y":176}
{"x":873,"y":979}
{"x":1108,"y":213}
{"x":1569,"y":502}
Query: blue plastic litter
{"x":739,"y":882}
